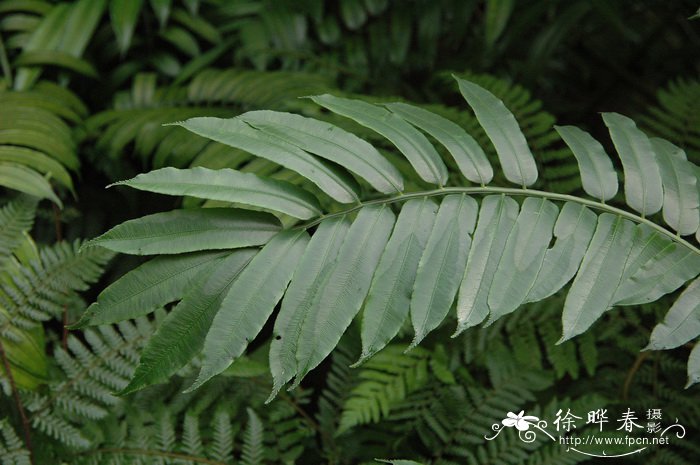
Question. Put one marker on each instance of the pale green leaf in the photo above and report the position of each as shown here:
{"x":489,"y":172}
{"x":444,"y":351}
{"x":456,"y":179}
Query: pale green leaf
{"x":592,"y":291}
{"x":442,"y":264}
{"x":150,"y":286}
{"x":681,"y":203}
{"x":236,"y":133}
{"x":23,"y":179}
{"x":496,"y":218}
{"x":124,"y":15}
{"x":229,"y":186}
{"x":523,"y":256}
{"x":682,"y":322}
{"x":56,"y":58}
{"x":647,"y":245}
{"x":502,"y":128}
{"x":296,"y":305}
{"x":694,"y":366}
{"x":180,"y":231}
{"x":662,"y":274}
{"x":181,"y":335}
{"x":161,"y":8}
{"x":389,"y":296}
{"x":37,"y":161}
{"x":643,"y":191}
{"x":344,"y":287}
{"x":573,"y":231}
{"x":470,"y":157}
{"x":411,"y":142}
{"x":598,"y":174}
{"x":250,"y":302}
{"x":330,"y":142}
{"x":498,"y":13}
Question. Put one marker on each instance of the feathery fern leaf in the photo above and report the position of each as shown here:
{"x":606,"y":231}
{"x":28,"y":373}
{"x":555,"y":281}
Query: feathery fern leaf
{"x":253,"y":441}
{"x":157,"y":437}
{"x":675,"y":116}
{"x":139,"y":115}
{"x":37,"y":291}
{"x":384,"y":380}
{"x":614,"y":258}
{"x":93,"y":372}
{"x":15,"y":218}
{"x":12,"y":451}
{"x":37,"y":145}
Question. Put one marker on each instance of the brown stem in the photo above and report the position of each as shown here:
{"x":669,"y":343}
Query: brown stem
{"x":57,"y":222}
{"x":18,"y":402}
{"x":633,"y":370}
{"x":59,"y":237}
{"x":287,"y":398}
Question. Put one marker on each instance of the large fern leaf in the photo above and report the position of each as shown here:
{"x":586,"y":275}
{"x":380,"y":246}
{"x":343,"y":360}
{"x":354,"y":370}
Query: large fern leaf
{"x":489,"y":257}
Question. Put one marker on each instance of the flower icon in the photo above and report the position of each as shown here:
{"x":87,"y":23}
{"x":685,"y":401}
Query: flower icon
{"x":520,"y":421}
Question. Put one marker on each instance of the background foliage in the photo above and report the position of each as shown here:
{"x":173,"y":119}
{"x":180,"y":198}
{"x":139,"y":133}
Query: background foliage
{"x":85,"y":90}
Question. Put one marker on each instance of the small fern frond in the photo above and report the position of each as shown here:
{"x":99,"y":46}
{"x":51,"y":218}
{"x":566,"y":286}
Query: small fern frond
{"x":676,"y":116}
{"x":253,"y":448}
{"x":38,"y":291}
{"x":16,"y":217}
{"x":12,"y":451}
{"x":221,"y":447}
{"x":92,"y":373}
{"x":383,"y":381}
{"x":288,"y":435}
{"x":156,"y":436}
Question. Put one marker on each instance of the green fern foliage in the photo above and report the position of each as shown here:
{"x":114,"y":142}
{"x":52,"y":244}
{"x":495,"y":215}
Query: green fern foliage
{"x":253,"y":441}
{"x":93,"y":371}
{"x":384,"y":380}
{"x":38,"y":290}
{"x":12,"y":451}
{"x":675,"y":116}
{"x":37,"y":144}
{"x":139,"y":115}
{"x":36,"y":285}
{"x":412,"y":255}
{"x":557,"y":166}
{"x":155,"y":436}
{"x":16,"y":217}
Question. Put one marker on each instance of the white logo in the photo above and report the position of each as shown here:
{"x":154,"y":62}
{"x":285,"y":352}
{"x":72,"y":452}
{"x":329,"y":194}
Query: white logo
{"x":565,"y":423}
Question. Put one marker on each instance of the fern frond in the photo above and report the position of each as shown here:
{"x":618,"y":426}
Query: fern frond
{"x":288,"y":435}
{"x":12,"y":451}
{"x":675,"y":116}
{"x":253,"y":441}
{"x":411,"y":254}
{"x":38,"y":291}
{"x":15,"y":218}
{"x":383,"y":381}
{"x":222,"y":437}
{"x":139,"y":116}
{"x":157,"y":437}
{"x":38,"y":146}
{"x":92,"y":373}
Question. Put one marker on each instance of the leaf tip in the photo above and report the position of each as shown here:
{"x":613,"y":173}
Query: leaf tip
{"x":363,"y":358}
{"x":275,"y":390}
{"x":175,"y":123}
